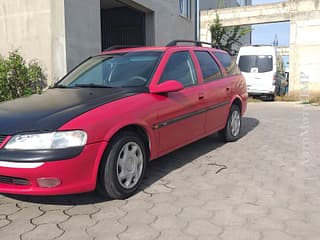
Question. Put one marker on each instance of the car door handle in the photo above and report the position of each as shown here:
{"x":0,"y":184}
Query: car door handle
{"x":201,"y":96}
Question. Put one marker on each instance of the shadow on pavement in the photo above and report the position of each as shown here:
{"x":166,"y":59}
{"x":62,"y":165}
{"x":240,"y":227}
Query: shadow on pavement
{"x":156,"y":169}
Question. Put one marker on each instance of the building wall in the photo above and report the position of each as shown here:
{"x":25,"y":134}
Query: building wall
{"x":62,"y":33}
{"x":25,"y":26}
{"x":169,"y":25}
{"x":83,"y":30}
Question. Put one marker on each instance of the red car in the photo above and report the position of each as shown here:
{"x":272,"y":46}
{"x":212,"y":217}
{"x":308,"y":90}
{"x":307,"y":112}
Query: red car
{"x":100,"y":125}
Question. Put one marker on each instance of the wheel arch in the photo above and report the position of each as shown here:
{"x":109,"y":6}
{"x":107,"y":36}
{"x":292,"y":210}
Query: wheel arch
{"x":140,"y":131}
{"x":237,"y":101}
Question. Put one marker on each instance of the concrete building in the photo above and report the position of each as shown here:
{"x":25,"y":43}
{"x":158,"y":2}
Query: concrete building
{"x":205,"y":5}
{"x":62,"y":33}
{"x":214,"y":4}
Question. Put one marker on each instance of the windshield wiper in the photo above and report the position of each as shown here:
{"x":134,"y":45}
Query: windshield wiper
{"x":60,"y":86}
{"x":91,"y":85}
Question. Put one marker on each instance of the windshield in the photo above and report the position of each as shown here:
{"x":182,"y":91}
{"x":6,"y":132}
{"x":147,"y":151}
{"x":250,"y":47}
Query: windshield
{"x":131,"y":69}
{"x":263,"y":63}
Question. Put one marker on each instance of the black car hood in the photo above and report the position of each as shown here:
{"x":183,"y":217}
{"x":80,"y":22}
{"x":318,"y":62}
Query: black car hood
{"x":55,"y":107}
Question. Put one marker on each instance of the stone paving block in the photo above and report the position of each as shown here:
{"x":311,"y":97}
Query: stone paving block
{"x":106,"y":229}
{"x":134,"y":205}
{"x":203,"y":227}
{"x":272,"y":235}
{"x":139,"y":232}
{"x":9,"y":208}
{"x":137,"y":217}
{"x":75,"y":235}
{"x":77,"y":222}
{"x":227,"y":218}
{"x":43,"y":232}
{"x":191,"y":213}
{"x":53,"y":217}
{"x":163,"y":198}
{"x":169,"y":222}
{"x":109,"y":212}
{"x":265,"y":223}
{"x":164,"y":209}
{"x":49,"y":207}
{"x":82,"y":209}
{"x":239,"y":233}
{"x":301,"y":229}
{"x":174,"y":234}
{"x":251,"y":209}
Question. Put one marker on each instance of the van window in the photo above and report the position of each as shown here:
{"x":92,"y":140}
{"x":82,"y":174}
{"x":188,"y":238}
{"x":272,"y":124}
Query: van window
{"x":228,"y":63}
{"x":264,"y":63}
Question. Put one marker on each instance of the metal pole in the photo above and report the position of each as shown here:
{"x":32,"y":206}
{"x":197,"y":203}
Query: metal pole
{"x":197,"y":21}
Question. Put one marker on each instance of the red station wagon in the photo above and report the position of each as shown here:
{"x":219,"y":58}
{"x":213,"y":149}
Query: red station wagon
{"x":99,"y":126}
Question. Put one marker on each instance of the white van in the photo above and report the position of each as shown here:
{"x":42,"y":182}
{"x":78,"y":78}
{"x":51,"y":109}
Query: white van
{"x":260,"y":65}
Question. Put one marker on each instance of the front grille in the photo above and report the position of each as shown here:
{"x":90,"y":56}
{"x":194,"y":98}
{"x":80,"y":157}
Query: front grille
{"x":13,"y":180}
{"x":2,"y":138}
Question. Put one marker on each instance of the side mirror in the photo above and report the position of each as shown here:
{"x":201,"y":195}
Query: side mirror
{"x":167,"y":86}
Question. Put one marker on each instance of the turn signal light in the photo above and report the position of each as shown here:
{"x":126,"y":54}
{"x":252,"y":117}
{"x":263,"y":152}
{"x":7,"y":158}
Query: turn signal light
{"x":48,"y":182}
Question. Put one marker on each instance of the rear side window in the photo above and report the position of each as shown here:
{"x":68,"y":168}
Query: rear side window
{"x":228,"y":63}
{"x":209,"y":67}
{"x":256,"y":63}
{"x":180,"y":68}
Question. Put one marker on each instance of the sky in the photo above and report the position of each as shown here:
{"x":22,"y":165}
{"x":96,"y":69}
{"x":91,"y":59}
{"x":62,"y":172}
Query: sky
{"x":265,"y":33}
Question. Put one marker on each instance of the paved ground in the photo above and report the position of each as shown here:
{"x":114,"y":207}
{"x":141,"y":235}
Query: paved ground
{"x":265,"y":186}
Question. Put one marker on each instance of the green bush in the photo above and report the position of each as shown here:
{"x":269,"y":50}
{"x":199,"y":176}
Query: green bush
{"x":17,"y":78}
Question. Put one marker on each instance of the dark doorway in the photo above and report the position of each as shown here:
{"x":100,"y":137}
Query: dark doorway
{"x":122,"y":26}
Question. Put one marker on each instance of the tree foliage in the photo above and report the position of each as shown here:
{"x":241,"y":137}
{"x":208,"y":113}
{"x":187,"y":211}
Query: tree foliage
{"x":226,"y":38}
{"x":17,"y":78}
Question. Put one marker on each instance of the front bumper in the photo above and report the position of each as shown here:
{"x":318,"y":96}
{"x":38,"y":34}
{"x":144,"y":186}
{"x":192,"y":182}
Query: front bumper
{"x":77,"y":174}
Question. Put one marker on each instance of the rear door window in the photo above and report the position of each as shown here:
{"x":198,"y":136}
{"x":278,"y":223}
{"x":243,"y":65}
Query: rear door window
{"x":209,"y":67}
{"x":228,"y":63}
{"x":263,"y":63}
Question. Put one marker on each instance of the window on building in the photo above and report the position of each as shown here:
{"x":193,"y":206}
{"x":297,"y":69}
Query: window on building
{"x":209,"y":67}
{"x":185,"y":8}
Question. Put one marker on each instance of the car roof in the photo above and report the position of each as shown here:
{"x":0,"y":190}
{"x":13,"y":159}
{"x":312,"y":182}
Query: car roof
{"x":171,"y":45}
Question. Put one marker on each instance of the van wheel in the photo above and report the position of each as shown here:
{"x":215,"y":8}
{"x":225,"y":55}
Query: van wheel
{"x":271,"y":97}
{"x":232,"y":130}
{"x":123,"y":166}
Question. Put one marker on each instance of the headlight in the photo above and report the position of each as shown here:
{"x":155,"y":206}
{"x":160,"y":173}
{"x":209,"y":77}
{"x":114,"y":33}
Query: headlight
{"x":52,"y":140}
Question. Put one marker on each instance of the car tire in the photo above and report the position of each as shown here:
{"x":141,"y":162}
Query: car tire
{"x":232,"y":130}
{"x":123,"y":166}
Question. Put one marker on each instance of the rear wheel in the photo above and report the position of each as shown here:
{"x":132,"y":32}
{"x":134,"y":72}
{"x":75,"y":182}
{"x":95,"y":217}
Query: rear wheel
{"x":123,"y":166}
{"x":232,"y":130}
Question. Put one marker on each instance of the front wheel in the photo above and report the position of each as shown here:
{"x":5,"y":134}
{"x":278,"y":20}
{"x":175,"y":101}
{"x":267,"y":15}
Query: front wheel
{"x":123,"y":166}
{"x":232,"y":130}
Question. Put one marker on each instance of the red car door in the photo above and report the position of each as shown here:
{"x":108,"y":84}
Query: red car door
{"x":181,"y":114}
{"x":215,"y":92}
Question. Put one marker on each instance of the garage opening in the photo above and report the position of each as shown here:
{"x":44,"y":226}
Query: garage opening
{"x":122,"y":24}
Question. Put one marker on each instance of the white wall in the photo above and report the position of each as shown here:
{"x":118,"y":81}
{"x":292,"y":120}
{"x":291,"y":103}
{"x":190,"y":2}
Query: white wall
{"x":25,"y":26}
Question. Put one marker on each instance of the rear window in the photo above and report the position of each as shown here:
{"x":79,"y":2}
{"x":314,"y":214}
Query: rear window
{"x":250,"y":63}
{"x":228,"y":63}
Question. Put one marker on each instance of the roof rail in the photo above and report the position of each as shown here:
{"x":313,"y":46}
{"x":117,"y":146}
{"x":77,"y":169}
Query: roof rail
{"x":117,"y":47}
{"x":196,"y":43}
